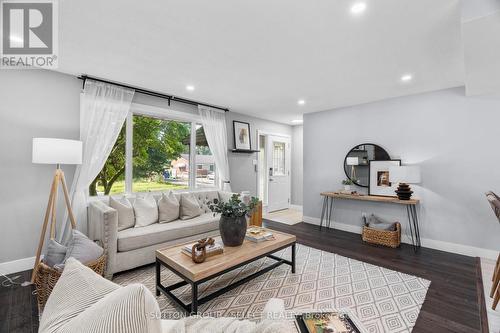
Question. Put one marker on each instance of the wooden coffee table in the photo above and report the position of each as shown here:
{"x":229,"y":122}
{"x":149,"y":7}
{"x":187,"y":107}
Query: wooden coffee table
{"x":232,"y":258}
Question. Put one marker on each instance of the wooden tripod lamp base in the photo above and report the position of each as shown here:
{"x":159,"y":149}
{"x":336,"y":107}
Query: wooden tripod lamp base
{"x":50,"y":214}
{"x":55,"y":151}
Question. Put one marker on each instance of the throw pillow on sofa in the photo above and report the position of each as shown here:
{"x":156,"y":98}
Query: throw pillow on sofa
{"x":55,"y":253}
{"x":190,"y":207}
{"x":146,"y":211}
{"x":81,"y":248}
{"x":168,"y":207}
{"x":125,"y":211}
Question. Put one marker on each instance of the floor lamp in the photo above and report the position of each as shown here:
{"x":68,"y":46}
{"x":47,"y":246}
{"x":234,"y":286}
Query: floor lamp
{"x":55,"y":151}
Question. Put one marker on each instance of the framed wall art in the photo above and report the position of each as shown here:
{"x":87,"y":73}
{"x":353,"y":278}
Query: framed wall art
{"x":379,"y":178}
{"x":241,"y":135}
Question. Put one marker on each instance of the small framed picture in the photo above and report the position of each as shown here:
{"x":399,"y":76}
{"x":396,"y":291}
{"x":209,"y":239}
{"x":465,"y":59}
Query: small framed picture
{"x":241,"y":135}
{"x":379,"y":180}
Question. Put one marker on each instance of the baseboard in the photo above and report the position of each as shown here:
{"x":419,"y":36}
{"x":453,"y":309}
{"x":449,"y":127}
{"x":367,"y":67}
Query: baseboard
{"x":426,"y":242}
{"x":296,"y":207}
{"x":15,"y":266}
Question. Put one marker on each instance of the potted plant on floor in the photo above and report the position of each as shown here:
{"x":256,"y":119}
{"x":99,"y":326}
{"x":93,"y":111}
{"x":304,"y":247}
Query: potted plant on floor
{"x":347,"y":184}
{"x":233,"y":223}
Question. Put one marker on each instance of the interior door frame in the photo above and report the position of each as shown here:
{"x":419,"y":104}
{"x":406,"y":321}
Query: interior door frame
{"x":267,"y":134}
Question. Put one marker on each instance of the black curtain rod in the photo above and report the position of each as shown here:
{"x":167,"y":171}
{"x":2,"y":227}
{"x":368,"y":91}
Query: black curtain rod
{"x":152,"y":93}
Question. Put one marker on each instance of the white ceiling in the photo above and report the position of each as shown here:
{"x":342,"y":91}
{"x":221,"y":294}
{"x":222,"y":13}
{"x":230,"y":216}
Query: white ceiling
{"x":259,"y":57}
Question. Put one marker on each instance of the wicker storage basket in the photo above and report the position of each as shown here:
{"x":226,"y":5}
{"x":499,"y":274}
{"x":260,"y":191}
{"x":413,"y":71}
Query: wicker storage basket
{"x":383,"y":237}
{"x":46,"y":278}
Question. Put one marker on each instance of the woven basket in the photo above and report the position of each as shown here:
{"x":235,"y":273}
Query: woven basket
{"x":383,"y":237}
{"x":46,"y":278}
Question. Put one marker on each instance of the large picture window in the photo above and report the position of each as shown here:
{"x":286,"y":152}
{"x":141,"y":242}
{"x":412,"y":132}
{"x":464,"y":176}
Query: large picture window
{"x":153,"y":153}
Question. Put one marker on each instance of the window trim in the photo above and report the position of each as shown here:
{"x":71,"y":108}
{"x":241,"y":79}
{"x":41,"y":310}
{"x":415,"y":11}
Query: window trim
{"x":164,"y":114}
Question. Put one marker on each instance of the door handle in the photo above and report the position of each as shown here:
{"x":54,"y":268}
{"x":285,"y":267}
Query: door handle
{"x":271,"y":180}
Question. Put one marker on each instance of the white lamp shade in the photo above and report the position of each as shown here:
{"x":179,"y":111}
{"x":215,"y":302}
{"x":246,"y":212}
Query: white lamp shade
{"x":56,"y":151}
{"x":409,"y":174}
{"x":352,"y":161}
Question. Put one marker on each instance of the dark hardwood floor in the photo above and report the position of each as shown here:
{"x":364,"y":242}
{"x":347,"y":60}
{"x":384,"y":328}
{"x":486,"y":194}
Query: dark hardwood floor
{"x":453,"y":302}
{"x":18,"y":307}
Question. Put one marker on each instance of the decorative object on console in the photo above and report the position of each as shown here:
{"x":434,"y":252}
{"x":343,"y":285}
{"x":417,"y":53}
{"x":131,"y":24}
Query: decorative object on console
{"x":379,"y":178}
{"x":233,"y":223}
{"x":55,"y":151}
{"x":404,"y":175}
{"x":358,"y":159}
{"x":347,"y":184}
{"x":242,"y":140}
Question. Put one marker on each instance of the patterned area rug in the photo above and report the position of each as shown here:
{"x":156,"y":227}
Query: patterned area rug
{"x":382,"y":299}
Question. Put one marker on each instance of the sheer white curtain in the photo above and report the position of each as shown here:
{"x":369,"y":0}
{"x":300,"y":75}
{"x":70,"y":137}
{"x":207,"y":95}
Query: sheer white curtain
{"x":103,"y":110}
{"x":214,"y":125}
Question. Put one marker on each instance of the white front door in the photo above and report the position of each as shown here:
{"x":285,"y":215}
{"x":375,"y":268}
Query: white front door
{"x":278,"y":168}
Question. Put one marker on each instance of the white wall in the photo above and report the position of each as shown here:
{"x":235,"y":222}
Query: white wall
{"x":243,"y":172}
{"x":455,"y":140}
{"x":33,"y":103}
{"x":297,"y":165}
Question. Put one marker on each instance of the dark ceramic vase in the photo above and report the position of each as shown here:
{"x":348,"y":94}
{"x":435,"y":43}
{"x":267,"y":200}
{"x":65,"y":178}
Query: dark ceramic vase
{"x":233,"y":230}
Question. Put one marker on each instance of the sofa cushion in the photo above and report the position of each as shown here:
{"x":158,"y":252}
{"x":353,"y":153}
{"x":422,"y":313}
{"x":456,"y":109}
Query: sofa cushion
{"x":225,"y":196}
{"x":55,"y":253}
{"x":146,"y":211}
{"x":136,"y":238}
{"x":205,"y":197}
{"x":125,"y":211}
{"x":82,"y":249}
{"x":168,"y":208}
{"x":190,"y":207}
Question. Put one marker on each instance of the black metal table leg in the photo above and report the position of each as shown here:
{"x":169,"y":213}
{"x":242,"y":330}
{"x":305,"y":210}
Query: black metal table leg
{"x":293,"y":258}
{"x":194,"y":297}
{"x":158,"y":276}
{"x":331,"y":212}
{"x":325,"y":203}
{"x":410,"y":224}
{"x":416,"y":224}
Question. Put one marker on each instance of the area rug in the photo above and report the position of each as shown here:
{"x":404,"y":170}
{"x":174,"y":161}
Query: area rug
{"x":382,"y":299}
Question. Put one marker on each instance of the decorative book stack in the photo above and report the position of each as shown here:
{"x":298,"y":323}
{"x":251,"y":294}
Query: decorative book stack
{"x":326,"y":322}
{"x":211,"y":250}
{"x":257,"y":235}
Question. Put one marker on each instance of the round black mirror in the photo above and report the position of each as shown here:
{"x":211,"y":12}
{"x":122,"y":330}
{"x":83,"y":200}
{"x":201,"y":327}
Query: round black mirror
{"x":357,"y":161}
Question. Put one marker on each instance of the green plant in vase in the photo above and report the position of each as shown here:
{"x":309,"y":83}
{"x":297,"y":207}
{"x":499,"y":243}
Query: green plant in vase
{"x":233,"y":223}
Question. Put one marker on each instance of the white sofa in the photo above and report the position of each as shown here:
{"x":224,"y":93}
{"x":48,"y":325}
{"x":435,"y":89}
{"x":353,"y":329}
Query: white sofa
{"x":134,"y":247}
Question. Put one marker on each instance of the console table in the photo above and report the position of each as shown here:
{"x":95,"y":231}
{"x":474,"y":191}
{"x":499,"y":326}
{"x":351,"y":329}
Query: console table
{"x":411,"y":209}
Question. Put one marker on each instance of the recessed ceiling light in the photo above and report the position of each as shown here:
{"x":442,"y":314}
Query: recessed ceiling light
{"x":301,"y":102}
{"x":189,"y":88}
{"x":297,"y":121}
{"x":358,"y":8}
{"x":406,"y":78}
